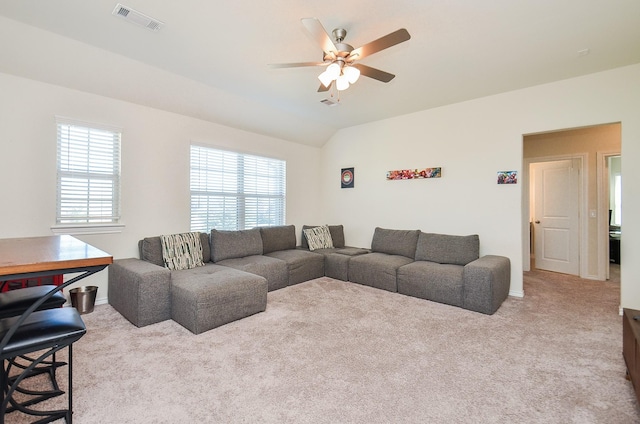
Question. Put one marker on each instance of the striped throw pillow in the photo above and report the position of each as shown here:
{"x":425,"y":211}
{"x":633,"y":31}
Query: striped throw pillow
{"x":182,"y":251}
{"x":319,"y":238}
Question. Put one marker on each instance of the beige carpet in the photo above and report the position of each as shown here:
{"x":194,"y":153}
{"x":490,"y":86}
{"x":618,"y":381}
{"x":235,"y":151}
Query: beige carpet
{"x":328,"y":351}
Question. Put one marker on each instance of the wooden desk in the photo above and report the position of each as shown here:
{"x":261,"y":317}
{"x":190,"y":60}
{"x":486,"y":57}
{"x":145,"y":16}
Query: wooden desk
{"x":50,"y":255}
{"x":37,"y":257}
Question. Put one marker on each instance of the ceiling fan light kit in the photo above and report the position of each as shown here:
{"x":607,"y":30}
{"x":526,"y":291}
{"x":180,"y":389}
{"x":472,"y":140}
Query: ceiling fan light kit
{"x":342,"y":74}
{"x":340,"y":58}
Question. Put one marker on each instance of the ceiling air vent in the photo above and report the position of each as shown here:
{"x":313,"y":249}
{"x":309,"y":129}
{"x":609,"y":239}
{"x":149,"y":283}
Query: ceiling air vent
{"x":329,"y":102}
{"x":137,"y":18}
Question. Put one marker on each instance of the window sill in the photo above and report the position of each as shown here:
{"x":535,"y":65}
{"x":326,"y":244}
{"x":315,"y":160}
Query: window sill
{"x":87,"y":229}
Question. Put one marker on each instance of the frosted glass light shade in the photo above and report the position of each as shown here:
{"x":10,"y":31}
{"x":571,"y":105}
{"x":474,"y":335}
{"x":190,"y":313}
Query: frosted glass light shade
{"x":325,"y":78}
{"x":333,"y":70}
{"x":342,"y":83}
{"x":351,"y":73}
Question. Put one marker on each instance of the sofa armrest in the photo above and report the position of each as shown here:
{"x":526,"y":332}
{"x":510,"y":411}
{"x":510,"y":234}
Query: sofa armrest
{"x":486,"y":283}
{"x":140,"y":291}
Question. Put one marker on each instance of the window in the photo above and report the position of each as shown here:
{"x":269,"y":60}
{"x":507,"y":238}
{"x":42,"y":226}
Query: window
{"x":234,"y":191}
{"x":88,"y":177}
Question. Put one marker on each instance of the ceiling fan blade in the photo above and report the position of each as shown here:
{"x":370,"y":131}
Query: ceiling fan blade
{"x":296,"y":65}
{"x":381,"y":43}
{"x":319,"y":34}
{"x":323,"y":88}
{"x":374,"y":73}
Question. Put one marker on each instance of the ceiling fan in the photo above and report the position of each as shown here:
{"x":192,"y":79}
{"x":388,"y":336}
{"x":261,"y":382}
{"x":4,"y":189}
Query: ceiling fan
{"x":340,"y":58}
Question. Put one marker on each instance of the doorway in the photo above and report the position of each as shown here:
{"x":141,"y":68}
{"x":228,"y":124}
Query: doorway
{"x":593,"y":145}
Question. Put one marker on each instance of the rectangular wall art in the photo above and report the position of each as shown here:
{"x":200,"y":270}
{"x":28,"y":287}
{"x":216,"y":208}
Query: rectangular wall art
{"x":347,"y":177}
{"x":508,"y":177}
{"x":414,"y":174}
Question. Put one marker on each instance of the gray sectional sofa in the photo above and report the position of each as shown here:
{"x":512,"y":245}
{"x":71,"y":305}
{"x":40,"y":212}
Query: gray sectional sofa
{"x":240,"y":267}
{"x":438,"y":267}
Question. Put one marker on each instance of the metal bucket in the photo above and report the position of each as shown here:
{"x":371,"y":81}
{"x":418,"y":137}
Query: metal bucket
{"x":84,"y":298}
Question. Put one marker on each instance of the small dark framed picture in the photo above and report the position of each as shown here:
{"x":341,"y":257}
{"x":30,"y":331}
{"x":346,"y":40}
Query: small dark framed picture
{"x":346,"y":178}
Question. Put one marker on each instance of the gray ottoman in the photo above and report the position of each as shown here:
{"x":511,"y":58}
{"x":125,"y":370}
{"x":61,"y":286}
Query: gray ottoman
{"x":210,"y":296}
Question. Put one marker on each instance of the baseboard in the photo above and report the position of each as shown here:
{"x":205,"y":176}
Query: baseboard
{"x":516,"y":293}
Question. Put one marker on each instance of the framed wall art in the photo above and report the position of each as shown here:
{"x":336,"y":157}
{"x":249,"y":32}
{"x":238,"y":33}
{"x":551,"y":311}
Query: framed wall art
{"x":507,"y":177}
{"x":346,"y":178}
{"x":414,"y":174}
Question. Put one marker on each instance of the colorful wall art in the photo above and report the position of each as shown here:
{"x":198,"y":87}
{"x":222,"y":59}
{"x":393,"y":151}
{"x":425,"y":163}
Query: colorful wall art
{"x":346,"y":178}
{"x":508,"y":177}
{"x":414,"y":174}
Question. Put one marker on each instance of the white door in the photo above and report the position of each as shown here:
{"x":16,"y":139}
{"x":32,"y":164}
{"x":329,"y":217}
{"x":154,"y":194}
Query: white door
{"x":556,"y":215}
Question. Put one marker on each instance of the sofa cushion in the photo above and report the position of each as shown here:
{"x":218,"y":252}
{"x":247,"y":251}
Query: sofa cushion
{"x":301,"y":264}
{"x":377,"y":269}
{"x":235,"y":244}
{"x":278,"y":238}
{"x":346,"y":251}
{"x":395,"y":242}
{"x":432,"y":281}
{"x":182,"y":251}
{"x":318,"y":238}
{"x":151,"y":249}
{"x":337,"y":235}
{"x":447,"y":249}
{"x":274,"y":270}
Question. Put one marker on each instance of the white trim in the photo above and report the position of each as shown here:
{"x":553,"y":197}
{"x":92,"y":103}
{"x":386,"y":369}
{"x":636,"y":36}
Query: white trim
{"x":584,"y":218}
{"x":516,"y":293}
{"x":87,"y":229}
{"x":71,"y":121}
{"x":235,"y":149}
{"x":602,"y":172}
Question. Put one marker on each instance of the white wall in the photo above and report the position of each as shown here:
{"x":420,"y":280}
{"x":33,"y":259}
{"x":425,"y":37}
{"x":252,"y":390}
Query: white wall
{"x":471,"y":141}
{"x":155,"y":165}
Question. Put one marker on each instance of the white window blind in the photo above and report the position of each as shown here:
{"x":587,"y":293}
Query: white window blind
{"x":88,"y":177}
{"x":234,"y":191}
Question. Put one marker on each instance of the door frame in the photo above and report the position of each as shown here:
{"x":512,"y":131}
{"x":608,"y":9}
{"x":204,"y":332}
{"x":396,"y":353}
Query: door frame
{"x":582,"y":219}
{"x":602,"y":170}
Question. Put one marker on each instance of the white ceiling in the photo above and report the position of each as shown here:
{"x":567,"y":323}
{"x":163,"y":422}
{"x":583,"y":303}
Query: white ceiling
{"x":210,"y":58}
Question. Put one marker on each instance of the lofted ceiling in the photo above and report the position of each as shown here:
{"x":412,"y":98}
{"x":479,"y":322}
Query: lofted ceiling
{"x":210,"y":59}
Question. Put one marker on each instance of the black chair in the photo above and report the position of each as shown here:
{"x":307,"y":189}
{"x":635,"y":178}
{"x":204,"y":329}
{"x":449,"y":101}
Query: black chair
{"x":14,"y":303}
{"x":41,"y":333}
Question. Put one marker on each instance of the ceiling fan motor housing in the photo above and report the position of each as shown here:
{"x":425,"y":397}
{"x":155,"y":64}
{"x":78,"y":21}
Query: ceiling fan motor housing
{"x":339,"y":34}
{"x":343,"y":48}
